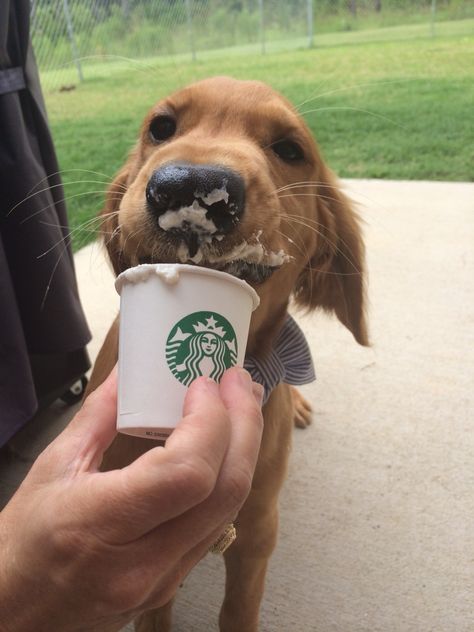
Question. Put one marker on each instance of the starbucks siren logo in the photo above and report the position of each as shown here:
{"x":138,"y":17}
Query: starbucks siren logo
{"x":203,"y":343}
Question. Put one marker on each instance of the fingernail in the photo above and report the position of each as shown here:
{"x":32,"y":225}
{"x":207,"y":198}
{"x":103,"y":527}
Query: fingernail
{"x":211,"y":386}
{"x":245,"y":379}
{"x":251,"y":386}
{"x":258,"y":393}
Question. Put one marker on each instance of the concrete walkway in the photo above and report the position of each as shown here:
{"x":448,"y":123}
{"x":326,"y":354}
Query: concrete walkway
{"x":377,"y":514}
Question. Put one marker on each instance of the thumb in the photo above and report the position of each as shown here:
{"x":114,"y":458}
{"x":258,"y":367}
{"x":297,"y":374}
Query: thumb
{"x":165,"y":482}
{"x":92,"y":430}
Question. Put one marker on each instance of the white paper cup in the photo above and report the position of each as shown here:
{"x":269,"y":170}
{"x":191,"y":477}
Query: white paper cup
{"x":176,"y":322}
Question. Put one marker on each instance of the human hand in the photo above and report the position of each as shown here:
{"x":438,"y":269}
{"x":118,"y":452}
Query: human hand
{"x":83,"y":550}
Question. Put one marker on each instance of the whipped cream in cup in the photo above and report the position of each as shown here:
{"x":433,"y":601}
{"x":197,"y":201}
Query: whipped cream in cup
{"x":177,"y":322}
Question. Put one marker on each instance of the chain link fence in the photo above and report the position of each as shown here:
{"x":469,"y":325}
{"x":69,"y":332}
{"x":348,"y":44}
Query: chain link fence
{"x":71,"y":36}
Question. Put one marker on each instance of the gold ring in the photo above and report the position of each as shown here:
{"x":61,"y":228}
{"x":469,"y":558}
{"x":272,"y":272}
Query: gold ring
{"x":224,"y":540}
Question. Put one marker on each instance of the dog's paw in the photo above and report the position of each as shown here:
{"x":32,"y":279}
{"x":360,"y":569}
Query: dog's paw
{"x":303,"y":411}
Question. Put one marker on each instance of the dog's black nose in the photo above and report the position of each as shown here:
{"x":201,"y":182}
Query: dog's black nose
{"x":199,"y":199}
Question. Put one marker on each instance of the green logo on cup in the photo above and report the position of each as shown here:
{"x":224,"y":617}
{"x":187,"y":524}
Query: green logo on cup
{"x":203,"y":343}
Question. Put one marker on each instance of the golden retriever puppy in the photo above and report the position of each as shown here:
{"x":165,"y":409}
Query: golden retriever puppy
{"x":225,"y":174}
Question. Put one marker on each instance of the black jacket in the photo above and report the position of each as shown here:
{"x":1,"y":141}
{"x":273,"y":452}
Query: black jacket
{"x":43,"y":331}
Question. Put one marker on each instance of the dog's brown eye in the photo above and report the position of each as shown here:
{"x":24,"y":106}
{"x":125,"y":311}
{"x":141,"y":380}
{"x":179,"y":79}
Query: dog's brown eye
{"x":288,"y":150}
{"x":162,"y":128}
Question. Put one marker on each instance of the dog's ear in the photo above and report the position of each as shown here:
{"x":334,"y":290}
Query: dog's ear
{"x":110,"y":222}
{"x":334,"y":278}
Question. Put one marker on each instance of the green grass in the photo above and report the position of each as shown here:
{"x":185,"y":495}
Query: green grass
{"x":398,"y":106}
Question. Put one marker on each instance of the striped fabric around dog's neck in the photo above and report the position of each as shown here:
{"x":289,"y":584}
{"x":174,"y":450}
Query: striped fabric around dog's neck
{"x":289,"y":360}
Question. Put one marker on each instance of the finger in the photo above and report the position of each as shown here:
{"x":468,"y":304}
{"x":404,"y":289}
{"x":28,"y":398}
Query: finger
{"x":246,"y":418}
{"x":235,"y":477}
{"x":167,"y":585}
{"x":258,"y":393}
{"x":80,"y":447}
{"x":167,"y":481}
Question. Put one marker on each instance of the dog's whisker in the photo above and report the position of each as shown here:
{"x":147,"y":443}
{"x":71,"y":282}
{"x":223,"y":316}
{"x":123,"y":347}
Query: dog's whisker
{"x":112,"y":235}
{"x":62,"y":172}
{"x":307,"y":183}
{"x":135,"y":258}
{"x":316,"y":195}
{"x":360,"y":110}
{"x":127,"y":237}
{"x":367,"y":84}
{"x":363,"y":199}
{"x":290,"y":187}
{"x":321,"y":85}
{"x":330,"y":272}
{"x":331,"y":243}
{"x":336,"y":249}
{"x":64,"y":199}
{"x":50,"y":188}
{"x":324,"y":185}
{"x":97,"y":221}
{"x":154,"y":248}
{"x":102,"y":215}
{"x":299,"y":222}
{"x":75,"y":229}
{"x":67,"y":242}
{"x":299,"y":183}
{"x":84,"y":226}
{"x":71,"y":232}
{"x":303,"y":218}
{"x":302,"y":250}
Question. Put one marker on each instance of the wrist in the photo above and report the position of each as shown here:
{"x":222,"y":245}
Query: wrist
{"x":15,"y":611}
{"x":24,"y":601}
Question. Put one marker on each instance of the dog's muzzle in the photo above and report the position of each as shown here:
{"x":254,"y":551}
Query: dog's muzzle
{"x":195,"y":206}
{"x":195,"y":203}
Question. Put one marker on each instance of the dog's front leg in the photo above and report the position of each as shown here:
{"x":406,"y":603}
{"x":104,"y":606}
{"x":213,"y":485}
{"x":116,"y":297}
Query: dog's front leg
{"x":246,"y":566}
{"x":158,"y":620}
{"x":257,"y":524}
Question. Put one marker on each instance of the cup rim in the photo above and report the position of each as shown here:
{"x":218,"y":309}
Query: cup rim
{"x":142,"y":272}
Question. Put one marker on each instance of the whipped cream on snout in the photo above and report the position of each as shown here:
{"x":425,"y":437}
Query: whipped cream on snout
{"x":190,"y":217}
{"x":248,"y":251}
{"x":194,"y":217}
{"x":216,"y":195}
